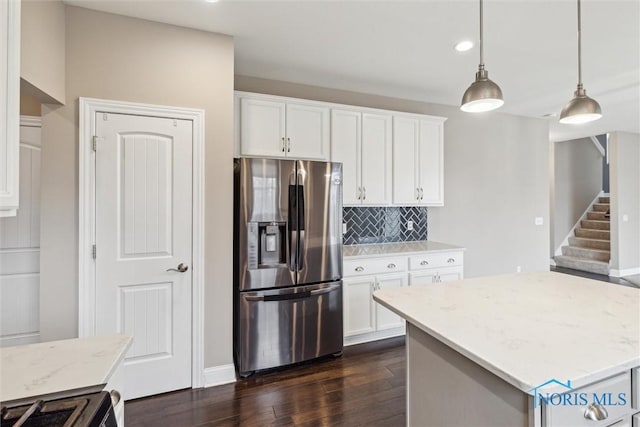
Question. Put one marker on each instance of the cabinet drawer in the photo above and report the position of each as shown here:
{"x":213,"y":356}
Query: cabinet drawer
{"x":608,"y":391}
{"x":445,"y":259}
{"x":361,"y":267}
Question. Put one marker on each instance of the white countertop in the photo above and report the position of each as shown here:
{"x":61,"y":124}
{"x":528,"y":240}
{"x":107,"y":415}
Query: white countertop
{"x":528,"y":328}
{"x":57,"y":366}
{"x":403,"y":248}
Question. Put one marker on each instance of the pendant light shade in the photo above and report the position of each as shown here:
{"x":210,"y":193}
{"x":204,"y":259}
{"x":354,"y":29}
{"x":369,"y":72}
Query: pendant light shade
{"x":581,"y":109}
{"x":483,"y":94}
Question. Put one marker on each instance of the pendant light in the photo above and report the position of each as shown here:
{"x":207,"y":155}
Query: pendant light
{"x":483,"y":94}
{"x":581,"y":109}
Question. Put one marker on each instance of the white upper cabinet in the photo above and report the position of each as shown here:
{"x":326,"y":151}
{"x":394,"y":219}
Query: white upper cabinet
{"x":418,"y":161}
{"x":277,"y":127}
{"x":9,"y":106}
{"x":376,"y":159}
{"x":362,"y":143}
{"x":346,"y":131}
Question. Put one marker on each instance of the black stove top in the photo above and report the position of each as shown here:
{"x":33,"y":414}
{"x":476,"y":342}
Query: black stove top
{"x":89,"y":410}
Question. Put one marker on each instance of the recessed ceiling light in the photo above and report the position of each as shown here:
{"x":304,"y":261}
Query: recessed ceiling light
{"x":464,"y":46}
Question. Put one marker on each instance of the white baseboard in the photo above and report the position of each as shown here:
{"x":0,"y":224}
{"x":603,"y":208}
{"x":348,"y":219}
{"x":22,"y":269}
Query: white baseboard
{"x":625,"y":272}
{"x":19,"y":339}
{"x":218,"y":375}
{"x":373,"y":336}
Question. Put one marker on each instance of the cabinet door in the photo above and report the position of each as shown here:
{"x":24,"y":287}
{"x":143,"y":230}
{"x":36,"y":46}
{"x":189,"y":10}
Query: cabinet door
{"x":307,"y":132}
{"x":345,"y":148}
{"x":358,"y":307}
{"x":423,"y":278}
{"x":405,"y":153}
{"x":9,"y":107}
{"x":385,"y":318}
{"x":431,"y":161}
{"x":450,"y":274}
{"x":262,"y":128}
{"x":376,"y":159}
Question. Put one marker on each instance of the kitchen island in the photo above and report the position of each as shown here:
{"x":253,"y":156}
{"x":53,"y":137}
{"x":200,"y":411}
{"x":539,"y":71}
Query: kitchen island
{"x":489,"y":351}
{"x":58,"y":369}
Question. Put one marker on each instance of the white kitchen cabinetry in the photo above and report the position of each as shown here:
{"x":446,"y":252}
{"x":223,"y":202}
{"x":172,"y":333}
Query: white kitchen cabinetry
{"x":280,"y":127}
{"x":418,"y":160}
{"x":385,"y":318}
{"x":437,"y":268}
{"x":9,"y":106}
{"x":362,"y":142}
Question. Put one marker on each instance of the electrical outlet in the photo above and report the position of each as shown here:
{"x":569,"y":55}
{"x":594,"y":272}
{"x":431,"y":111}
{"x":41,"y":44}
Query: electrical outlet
{"x":518,"y":269}
{"x":409,"y":225}
{"x":625,"y":218}
{"x":344,"y":228}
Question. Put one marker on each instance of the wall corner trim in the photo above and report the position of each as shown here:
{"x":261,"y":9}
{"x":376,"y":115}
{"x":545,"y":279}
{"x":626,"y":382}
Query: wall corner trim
{"x":219,"y":375}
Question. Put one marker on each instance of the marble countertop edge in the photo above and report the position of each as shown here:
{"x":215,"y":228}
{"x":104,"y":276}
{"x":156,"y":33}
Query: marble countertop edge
{"x":369,"y":250}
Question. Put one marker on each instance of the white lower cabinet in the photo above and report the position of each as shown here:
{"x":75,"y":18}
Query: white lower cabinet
{"x":385,"y":318}
{"x":366,"y":320}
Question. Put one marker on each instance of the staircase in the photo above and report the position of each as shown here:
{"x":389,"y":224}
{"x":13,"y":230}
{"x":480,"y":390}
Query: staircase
{"x":589,"y":250}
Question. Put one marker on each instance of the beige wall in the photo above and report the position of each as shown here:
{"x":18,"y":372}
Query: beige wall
{"x":115,"y":57}
{"x":624,"y":174}
{"x":29,"y":106}
{"x":496,"y":178}
{"x":42,"y":49}
{"x":578,"y":180}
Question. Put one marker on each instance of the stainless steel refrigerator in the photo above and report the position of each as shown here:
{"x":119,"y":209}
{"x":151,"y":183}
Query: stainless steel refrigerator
{"x":287,"y":262}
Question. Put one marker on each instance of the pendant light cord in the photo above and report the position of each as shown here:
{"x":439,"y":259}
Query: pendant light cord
{"x":481,"y":31}
{"x":579,"y":47}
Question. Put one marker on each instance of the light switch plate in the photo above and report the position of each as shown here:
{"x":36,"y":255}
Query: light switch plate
{"x":539,"y":220}
{"x":625,"y":218}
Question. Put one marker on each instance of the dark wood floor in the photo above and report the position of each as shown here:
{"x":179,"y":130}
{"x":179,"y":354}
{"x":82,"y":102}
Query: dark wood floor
{"x":364,"y":387}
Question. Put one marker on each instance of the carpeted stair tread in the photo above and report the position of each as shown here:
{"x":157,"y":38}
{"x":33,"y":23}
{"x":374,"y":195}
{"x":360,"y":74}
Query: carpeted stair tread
{"x":587,"y":253}
{"x":598,"y":267}
{"x":593,"y":224}
{"x":593,"y":234}
{"x":601,"y":207}
{"x":589,"y":243}
{"x":604,"y":199}
{"x":598,"y":216}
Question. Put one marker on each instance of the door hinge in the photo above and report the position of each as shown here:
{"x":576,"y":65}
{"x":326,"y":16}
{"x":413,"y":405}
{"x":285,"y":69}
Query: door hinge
{"x":94,"y":143}
{"x":93,"y":251}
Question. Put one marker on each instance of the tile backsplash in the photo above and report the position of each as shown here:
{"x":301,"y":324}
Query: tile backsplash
{"x":384,"y":224}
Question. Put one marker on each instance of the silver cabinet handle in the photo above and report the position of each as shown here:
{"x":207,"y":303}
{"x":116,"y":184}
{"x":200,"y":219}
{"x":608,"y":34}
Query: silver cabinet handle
{"x":364,"y":193}
{"x":283,"y":144}
{"x":421,"y":193}
{"x":359,"y":268}
{"x":595,"y":412}
{"x":450,"y":260}
{"x":425,"y":262}
{"x":115,"y":397}
{"x":288,"y":145}
{"x":359,"y":193}
{"x":417,"y":193}
{"x":181,"y":268}
{"x":392,"y":265}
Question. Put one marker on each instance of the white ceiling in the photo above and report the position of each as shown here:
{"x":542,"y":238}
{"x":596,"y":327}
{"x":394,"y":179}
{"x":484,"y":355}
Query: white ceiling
{"x":404,"y":49}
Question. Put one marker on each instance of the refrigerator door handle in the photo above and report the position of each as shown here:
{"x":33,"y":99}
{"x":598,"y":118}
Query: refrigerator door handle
{"x":325,"y":290}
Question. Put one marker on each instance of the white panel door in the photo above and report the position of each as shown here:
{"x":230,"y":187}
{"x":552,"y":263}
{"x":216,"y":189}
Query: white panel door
{"x":358,"y":307}
{"x":405,"y":153}
{"x":376,"y":159}
{"x":431,"y":160}
{"x":345,"y":148}
{"x":307,"y":132}
{"x":20,"y":251}
{"x":262,"y":128}
{"x":385,"y":318}
{"x":143,"y":230}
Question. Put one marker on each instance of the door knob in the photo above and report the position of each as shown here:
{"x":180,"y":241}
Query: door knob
{"x":181,"y":268}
